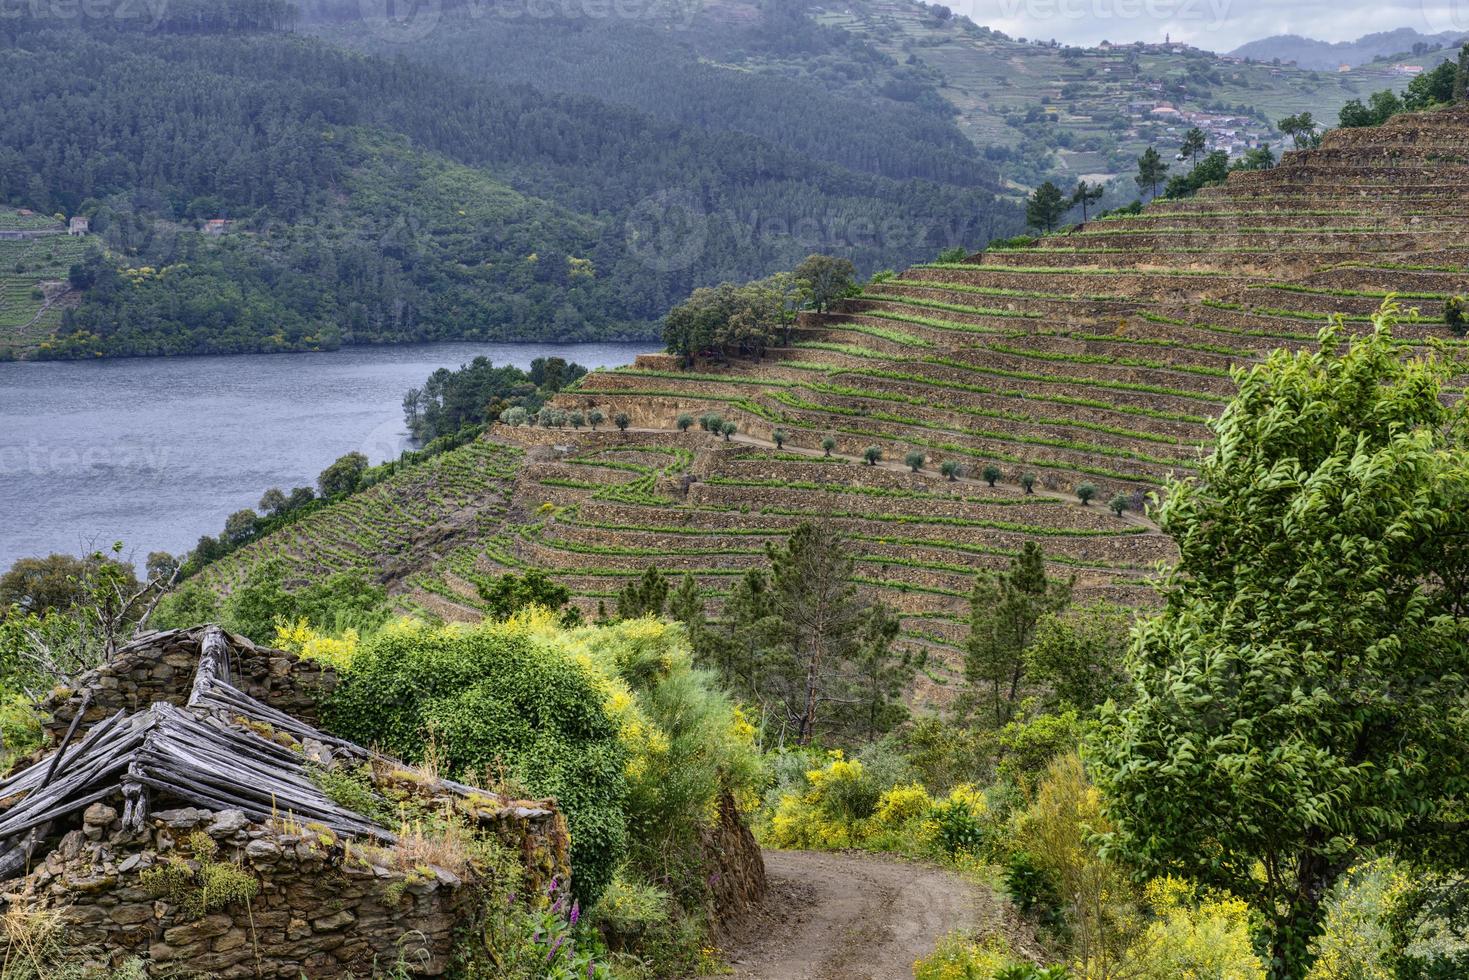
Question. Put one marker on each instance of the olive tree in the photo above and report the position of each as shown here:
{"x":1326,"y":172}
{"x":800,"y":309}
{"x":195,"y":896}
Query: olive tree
{"x":914,"y":459}
{"x":1299,"y":702}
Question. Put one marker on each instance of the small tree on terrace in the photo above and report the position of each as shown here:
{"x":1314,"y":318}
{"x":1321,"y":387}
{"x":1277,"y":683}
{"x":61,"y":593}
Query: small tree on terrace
{"x":914,"y":459}
{"x":827,"y":445}
{"x":950,"y":469}
{"x":595,"y":418}
{"x":621,"y":421}
{"x":778,"y":436}
{"x":825,"y":279}
{"x":1150,"y":171}
{"x":1027,"y":480}
{"x":684,"y":422}
{"x":1046,"y":207}
{"x":1086,"y":195}
{"x":872,"y":454}
{"x":728,"y":429}
{"x":1301,"y":128}
{"x":1085,"y":492}
{"x":1300,"y":697}
{"x":1456,"y":314}
{"x":1117,"y":504}
{"x":991,"y":474}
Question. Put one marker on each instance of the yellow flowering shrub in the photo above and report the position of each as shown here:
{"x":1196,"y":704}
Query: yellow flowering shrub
{"x":1193,"y":938}
{"x":960,"y":956}
{"x":1356,"y":938}
{"x":300,"y":638}
{"x":901,"y":805}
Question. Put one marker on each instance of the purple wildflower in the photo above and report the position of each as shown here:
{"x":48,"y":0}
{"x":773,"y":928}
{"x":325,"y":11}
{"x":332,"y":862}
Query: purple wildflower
{"x":575,"y":912}
{"x":555,"y":949}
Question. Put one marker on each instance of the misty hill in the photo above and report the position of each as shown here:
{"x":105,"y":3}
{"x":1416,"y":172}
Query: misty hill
{"x":1309,"y":53}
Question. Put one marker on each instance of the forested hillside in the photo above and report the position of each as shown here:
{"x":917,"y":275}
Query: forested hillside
{"x":376,"y":200}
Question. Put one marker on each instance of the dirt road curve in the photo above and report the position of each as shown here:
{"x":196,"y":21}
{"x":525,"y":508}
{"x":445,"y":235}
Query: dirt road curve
{"x":854,"y":917}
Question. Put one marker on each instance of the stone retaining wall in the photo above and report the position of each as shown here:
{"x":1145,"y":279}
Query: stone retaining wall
{"x":324,"y":908}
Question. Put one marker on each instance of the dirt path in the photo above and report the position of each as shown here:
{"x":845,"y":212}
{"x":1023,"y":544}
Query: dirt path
{"x":856,"y":917}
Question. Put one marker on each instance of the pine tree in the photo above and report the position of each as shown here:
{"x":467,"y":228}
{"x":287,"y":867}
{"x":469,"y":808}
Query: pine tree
{"x":1087,"y":195}
{"x":1005,"y":608}
{"x":644,"y":596}
{"x":1046,"y":207}
{"x":1150,"y":171}
{"x":1194,"y":143}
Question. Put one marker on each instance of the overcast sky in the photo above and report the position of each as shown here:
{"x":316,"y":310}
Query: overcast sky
{"x":1218,"y":25}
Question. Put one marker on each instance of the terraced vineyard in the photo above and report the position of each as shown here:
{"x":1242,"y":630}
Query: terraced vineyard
{"x":1092,"y":357}
{"x":1095,"y":357}
{"x":33,"y":279}
{"x":405,"y":532}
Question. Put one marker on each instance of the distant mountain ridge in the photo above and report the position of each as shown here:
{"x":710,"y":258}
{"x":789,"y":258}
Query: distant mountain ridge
{"x":1310,"y":53}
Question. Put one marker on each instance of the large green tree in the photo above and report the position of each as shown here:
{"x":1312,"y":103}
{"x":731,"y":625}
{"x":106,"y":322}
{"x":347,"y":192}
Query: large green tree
{"x":1301,"y":700}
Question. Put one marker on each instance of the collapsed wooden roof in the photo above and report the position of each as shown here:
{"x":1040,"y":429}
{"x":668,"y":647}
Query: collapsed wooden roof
{"x":203,"y":754}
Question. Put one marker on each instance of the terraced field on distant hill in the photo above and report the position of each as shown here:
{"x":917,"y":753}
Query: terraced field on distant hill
{"x":1096,"y":356}
{"x":33,"y":278}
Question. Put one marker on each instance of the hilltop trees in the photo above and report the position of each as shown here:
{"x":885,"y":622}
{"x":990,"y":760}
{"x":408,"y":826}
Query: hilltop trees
{"x":1150,"y":171}
{"x":729,"y":320}
{"x":1300,"y":698}
{"x":1440,"y":86}
{"x":1046,"y":207}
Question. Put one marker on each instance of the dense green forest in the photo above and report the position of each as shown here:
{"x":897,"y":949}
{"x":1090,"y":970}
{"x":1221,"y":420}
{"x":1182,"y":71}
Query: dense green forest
{"x":371,"y":200}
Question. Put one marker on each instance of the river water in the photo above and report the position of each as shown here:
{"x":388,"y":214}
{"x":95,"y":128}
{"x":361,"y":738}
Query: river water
{"x":154,"y":452}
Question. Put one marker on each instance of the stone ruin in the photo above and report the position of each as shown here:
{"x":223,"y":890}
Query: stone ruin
{"x":191,"y":760}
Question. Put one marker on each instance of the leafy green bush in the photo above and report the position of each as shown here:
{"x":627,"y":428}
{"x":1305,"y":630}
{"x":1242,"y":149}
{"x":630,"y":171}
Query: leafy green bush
{"x":1032,"y":888}
{"x":497,"y":697}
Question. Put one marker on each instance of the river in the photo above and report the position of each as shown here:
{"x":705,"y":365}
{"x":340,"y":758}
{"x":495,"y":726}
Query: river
{"x":154,"y":452}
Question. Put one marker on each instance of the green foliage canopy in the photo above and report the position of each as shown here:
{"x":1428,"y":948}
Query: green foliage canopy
{"x":1300,"y":701}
